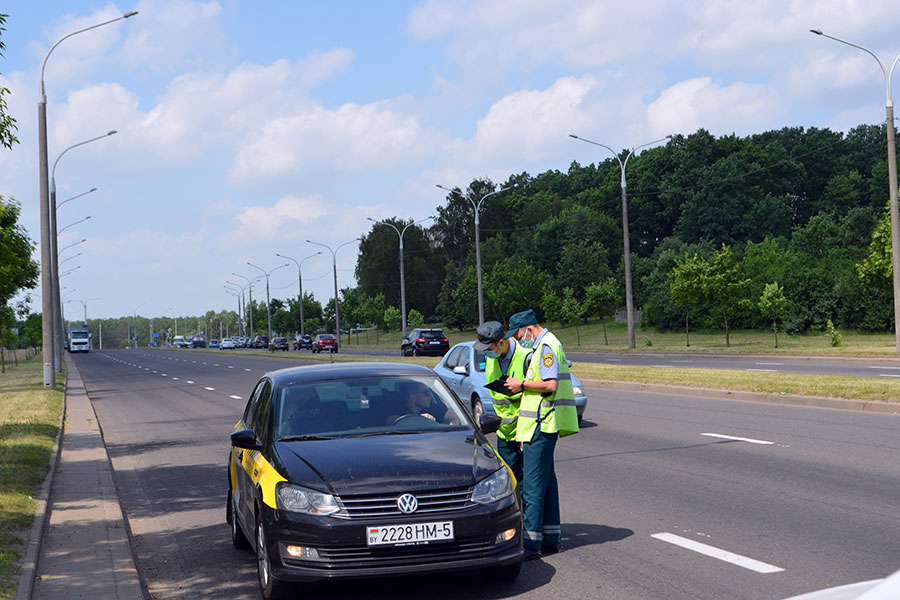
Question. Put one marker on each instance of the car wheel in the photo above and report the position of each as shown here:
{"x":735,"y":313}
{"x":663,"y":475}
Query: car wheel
{"x":415,"y":351}
{"x":477,"y":409}
{"x":238,"y":539}
{"x":505,"y":573}
{"x":270,"y":587}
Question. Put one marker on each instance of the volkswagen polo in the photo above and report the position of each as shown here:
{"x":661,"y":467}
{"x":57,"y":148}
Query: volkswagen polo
{"x":367,"y":469}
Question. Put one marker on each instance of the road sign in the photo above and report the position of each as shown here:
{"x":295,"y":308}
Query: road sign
{"x":155,"y":335}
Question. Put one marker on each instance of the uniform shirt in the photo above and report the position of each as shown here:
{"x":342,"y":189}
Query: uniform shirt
{"x":506,"y":359}
{"x":549,"y":360}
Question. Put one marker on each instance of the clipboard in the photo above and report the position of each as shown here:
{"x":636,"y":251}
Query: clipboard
{"x":497,"y":386}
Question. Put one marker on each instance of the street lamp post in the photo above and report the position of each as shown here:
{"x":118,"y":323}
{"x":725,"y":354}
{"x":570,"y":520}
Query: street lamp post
{"x":134,"y":320}
{"x":477,"y":208}
{"x":242,"y":305}
{"x":57,"y":309}
{"x":892,"y":178}
{"x":402,"y":273}
{"x":47,"y":273}
{"x":337,"y":305}
{"x":268,"y":302}
{"x":60,"y":205}
{"x":250,"y":288}
{"x":300,"y":282}
{"x":629,"y":298}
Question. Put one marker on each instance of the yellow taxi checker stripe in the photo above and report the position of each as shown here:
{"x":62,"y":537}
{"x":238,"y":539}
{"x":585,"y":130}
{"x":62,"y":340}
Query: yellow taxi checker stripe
{"x":265,"y":475}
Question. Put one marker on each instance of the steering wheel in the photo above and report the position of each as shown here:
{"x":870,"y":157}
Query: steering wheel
{"x":407,"y":417}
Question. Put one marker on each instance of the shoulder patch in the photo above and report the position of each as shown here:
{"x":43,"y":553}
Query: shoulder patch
{"x":548,"y":360}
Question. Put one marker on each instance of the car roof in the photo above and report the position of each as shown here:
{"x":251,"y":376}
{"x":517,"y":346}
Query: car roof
{"x":346,"y":370}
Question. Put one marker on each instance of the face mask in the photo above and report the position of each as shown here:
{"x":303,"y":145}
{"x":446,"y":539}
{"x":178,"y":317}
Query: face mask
{"x":525,"y":343}
{"x":491,"y":354}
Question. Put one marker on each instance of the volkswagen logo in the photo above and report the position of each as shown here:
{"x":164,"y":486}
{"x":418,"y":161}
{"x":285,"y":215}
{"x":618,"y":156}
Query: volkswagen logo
{"x":407,"y":503}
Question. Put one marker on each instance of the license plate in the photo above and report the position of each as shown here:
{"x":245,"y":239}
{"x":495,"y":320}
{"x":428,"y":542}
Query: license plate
{"x":434,"y":343}
{"x":414,"y":533}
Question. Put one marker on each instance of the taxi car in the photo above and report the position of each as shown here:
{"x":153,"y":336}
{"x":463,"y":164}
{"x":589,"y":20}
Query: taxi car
{"x":335,"y":473}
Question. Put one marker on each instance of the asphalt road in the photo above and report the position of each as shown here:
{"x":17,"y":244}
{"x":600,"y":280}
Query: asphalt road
{"x":807,"y":499}
{"x":816,"y":365}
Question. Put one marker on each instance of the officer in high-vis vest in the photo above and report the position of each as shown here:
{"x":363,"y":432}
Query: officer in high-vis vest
{"x":546,"y":412}
{"x":504,"y":358}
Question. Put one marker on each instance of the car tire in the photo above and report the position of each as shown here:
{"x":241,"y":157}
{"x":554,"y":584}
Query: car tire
{"x":415,"y":351}
{"x":477,"y":409}
{"x":238,"y":539}
{"x":506,"y":573}
{"x":270,"y":588}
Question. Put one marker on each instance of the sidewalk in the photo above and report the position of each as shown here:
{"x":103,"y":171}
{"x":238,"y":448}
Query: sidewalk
{"x":82,"y":548}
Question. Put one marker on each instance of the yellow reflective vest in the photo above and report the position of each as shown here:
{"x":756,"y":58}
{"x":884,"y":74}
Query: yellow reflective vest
{"x":507,"y":407}
{"x":555,"y":412}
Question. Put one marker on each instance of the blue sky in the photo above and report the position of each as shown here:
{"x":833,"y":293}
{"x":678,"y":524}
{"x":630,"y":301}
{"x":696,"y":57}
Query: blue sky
{"x":246,"y":128}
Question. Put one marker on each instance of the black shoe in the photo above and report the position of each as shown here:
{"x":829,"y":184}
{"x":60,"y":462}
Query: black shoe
{"x":531,"y":554}
{"x":551,"y":548}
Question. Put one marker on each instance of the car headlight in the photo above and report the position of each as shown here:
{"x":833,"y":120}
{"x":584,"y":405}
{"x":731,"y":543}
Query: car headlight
{"x":577,"y":391}
{"x":299,"y":499}
{"x":493,"y":488}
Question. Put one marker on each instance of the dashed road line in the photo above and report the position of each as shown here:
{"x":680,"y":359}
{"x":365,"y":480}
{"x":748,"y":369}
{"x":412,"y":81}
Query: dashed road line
{"x":712,"y":551}
{"x":763,"y":370}
{"x":235,"y":397}
{"x":211,"y":389}
{"x":738,"y":439}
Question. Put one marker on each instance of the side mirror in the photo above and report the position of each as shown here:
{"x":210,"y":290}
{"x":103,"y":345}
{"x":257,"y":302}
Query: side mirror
{"x":246,"y":439}
{"x":461,"y":370}
{"x":489,"y":423}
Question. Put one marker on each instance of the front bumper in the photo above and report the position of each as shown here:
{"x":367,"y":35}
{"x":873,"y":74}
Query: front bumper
{"x":344,"y":554}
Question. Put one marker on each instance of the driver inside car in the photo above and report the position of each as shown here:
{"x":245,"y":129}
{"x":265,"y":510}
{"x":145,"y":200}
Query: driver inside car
{"x":417,"y":400}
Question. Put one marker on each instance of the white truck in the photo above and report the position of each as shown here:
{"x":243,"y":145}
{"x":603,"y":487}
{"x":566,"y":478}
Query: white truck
{"x":79,"y":338}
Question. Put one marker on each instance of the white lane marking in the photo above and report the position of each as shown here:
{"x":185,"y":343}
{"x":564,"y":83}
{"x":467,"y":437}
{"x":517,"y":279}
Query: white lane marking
{"x":189,"y":381}
{"x":164,"y":375}
{"x":730,"y":557}
{"x":230,"y":367}
{"x":769,"y":363}
{"x":763,"y":370}
{"x":175,"y":378}
{"x":887,"y":375}
{"x":662,"y":366}
{"x":613,"y":359}
{"x":248,"y":370}
{"x":738,"y":439}
{"x":882,"y":367}
{"x":235,"y":397}
{"x":210,"y":389}
{"x":682,"y":361}
{"x":156,"y":371}
{"x":215,"y":365}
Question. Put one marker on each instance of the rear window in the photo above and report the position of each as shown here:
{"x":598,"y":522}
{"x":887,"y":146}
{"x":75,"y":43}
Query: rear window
{"x":433,"y":335}
{"x":326,"y":336}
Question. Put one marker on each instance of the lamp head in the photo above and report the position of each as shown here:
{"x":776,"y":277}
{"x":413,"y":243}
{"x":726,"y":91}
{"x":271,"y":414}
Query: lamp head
{"x":92,"y":190}
{"x":112,"y":132}
{"x":816,"y":31}
{"x":130,"y":13}
{"x":572,"y":135}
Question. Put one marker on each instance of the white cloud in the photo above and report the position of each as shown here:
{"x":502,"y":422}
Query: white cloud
{"x":288,"y":212}
{"x":699,"y":102}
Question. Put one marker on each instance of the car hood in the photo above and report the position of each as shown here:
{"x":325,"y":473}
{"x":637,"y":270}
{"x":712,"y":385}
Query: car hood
{"x":387,"y":464}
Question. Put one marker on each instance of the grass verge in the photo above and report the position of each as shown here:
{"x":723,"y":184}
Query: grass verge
{"x":29,"y":421}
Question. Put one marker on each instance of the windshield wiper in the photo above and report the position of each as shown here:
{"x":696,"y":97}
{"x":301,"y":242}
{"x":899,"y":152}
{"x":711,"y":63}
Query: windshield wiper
{"x":378,"y":433}
{"x":304,"y":438}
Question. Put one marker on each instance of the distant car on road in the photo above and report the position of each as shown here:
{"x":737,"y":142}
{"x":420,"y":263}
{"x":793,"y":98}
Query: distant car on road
{"x":325,"y":342}
{"x":179,"y":342}
{"x":198,"y":341}
{"x":213,"y":343}
{"x":260,"y":341}
{"x":422,"y":342}
{"x":463,"y":370}
{"x":280,"y":343}
{"x":227,"y":344}
{"x":303,"y":342}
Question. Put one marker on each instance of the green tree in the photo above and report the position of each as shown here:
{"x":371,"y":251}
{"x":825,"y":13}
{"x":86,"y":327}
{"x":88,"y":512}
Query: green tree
{"x":391,"y":318}
{"x":601,"y":300}
{"x":18,"y":270}
{"x":726,"y":287}
{"x":510,"y":287}
{"x":571,"y":311}
{"x":877,"y":267}
{"x":7,"y":123}
{"x":772,"y":304}
{"x":688,"y":287}
{"x":415,"y":319}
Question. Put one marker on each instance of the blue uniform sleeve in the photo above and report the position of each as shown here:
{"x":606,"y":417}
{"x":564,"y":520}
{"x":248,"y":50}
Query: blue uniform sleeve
{"x":549,"y":364}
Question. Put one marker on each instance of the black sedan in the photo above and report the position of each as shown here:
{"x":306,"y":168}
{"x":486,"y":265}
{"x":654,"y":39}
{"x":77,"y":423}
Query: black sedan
{"x":367,"y":469}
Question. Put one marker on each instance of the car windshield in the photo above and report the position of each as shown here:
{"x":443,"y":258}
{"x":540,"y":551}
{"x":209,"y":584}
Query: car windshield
{"x":366,"y":406}
{"x":79,"y":334}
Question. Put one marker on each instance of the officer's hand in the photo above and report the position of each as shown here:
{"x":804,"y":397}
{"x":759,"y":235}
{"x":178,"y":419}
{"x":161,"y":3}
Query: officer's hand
{"x":512,"y":384}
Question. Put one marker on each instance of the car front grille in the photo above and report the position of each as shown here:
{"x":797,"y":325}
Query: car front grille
{"x":463,"y":548}
{"x":385,"y":505}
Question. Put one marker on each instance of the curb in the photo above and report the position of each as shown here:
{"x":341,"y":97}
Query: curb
{"x":745,"y":396}
{"x":32,"y":552}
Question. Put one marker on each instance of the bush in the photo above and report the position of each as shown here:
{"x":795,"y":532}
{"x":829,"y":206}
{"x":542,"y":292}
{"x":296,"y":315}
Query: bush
{"x":833,"y":334}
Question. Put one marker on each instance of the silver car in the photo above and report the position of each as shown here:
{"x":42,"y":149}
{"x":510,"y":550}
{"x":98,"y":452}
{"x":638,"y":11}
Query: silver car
{"x":462,"y":368}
